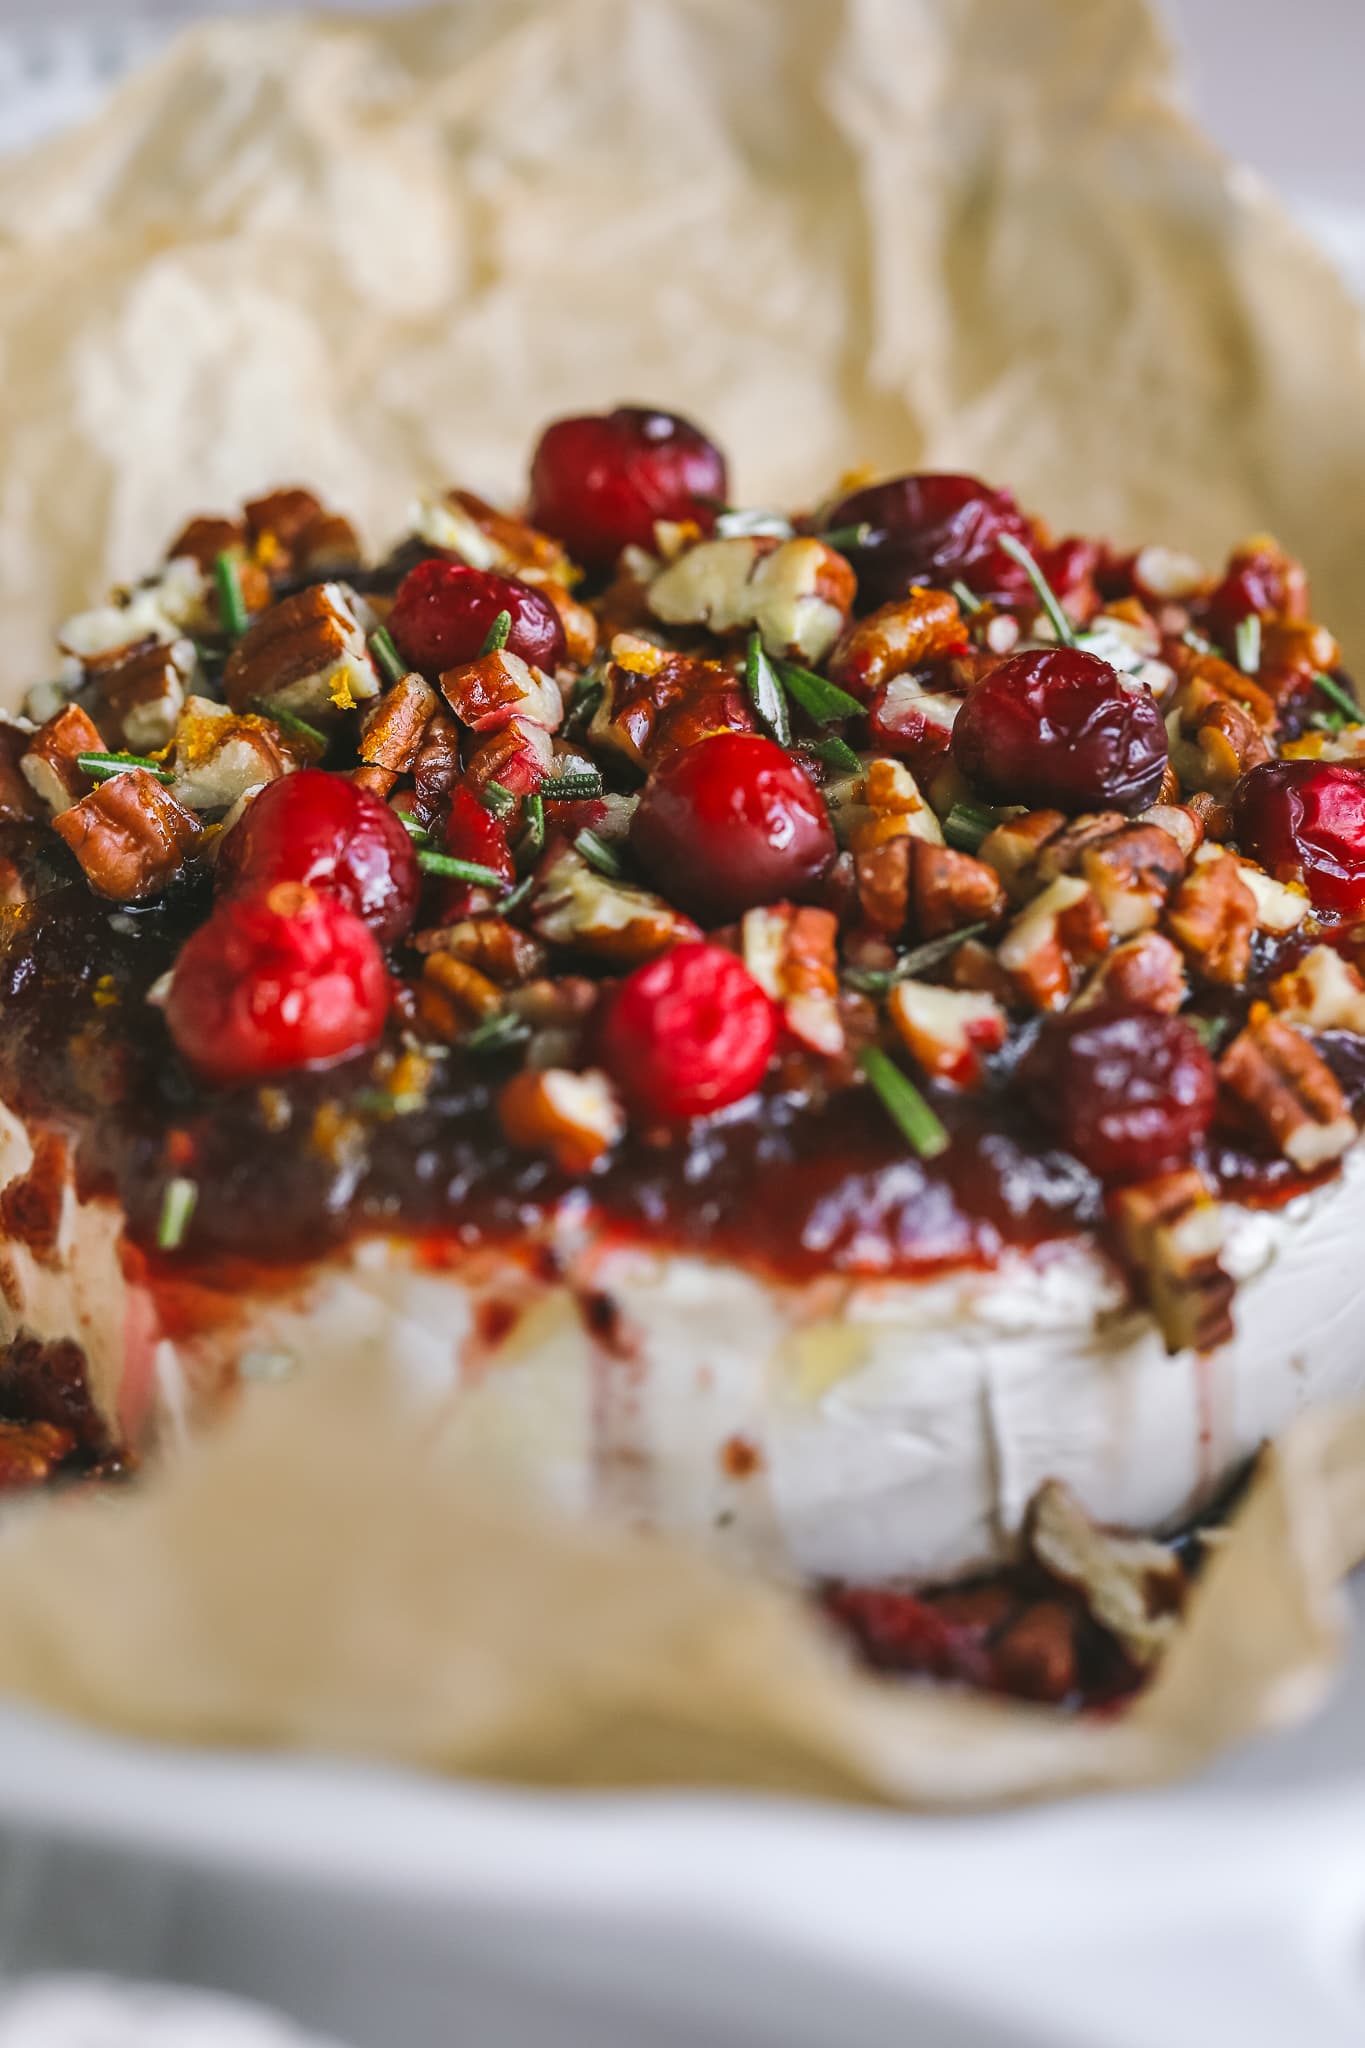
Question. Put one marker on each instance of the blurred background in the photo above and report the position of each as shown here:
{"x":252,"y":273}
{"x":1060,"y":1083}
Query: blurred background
{"x":1257,"y":73}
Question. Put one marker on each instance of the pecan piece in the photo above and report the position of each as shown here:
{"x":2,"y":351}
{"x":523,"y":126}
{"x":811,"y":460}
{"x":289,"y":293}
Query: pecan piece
{"x":49,"y":763}
{"x":393,"y":729}
{"x":579,"y":623}
{"x":130,"y":836}
{"x":1063,"y":929}
{"x":1171,"y":1231}
{"x":576,"y":1118}
{"x":19,"y":801}
{"x":1131,"y":1585}
{"x":573,"y":905}
{"x":950,"y":889}
{"x":797,"y":593}
{"x":1015,"y":847}
{"x":1289,"y":1090}
{"x":882,"y":876}
{"x":1323,"y":993}
{"x":924,"y":626}
{"x":489,"y":693}
{"x":792,"y":954}
{"x":170,"y":605}
{"x":948,"y":1031}
{"x":207,"y":537}
{"x":1213,"y":917}
{"x":474,"y":996}
{"x":893,"y":807}
{"x":1147,"y":972}
{"x":138,"y":699}
{"x":307,"y":655}
{"x":498,"y":949}
{"x":219,"y":756}
{"x":1132,"y":872}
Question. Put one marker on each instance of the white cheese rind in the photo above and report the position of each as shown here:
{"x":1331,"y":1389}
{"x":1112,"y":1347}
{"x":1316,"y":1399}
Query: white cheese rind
{"x":864,"y":1429}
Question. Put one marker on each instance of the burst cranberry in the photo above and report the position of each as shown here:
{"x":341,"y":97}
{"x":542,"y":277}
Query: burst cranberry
{"x":323,"y":830}
{"x":281,"y":979}
{"x":1305,"y":820}
{"x":600,"y":481}
{"x":473,"y":833}
{"x":1260,"y":580}
{"x":1127,"y":1091}
{"x":933,"y":529}
{"x":688,"y":1033}
{"x":1056,"y":726}
{"x":443,"y":612}
{"x":730,"y":823}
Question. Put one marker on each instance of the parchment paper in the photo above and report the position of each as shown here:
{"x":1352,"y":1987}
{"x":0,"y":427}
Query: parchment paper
{"x":943,"y":232}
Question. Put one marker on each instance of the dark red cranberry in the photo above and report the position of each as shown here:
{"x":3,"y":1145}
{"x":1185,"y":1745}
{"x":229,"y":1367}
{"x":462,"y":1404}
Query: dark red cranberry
{"x":933,"y":529}
{"x":599,"y":481}
{"x":687,"y":1034}
{"x":323,"y":830}
{"x":443,"y":612}
{"x":276,"y":980}
{"x":1305,"y":820}
{"x":730,"y":823}
{"x":1057,"y":726}
{"x":1259,"y":580}
{"x":1127,"y":1091}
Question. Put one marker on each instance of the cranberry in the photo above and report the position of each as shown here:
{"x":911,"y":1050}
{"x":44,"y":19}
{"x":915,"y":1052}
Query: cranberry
{"x":443,"y":612}
{"x":473,"y":833}
{"x":1056,"y":726}
{"x":934,"y":529}
{"x":730,"y":823}
{"x":688,"y":1033}
{"x":321,"y":829}
{"x":1126,"y":1090}
{"x":599,"y":482}
{"x":1261,"y":580}
{"x":1306,"y":820}
{"x":280,"y":979}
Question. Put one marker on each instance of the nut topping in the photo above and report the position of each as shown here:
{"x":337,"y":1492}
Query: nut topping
{"x":1171,"y":1230}
{"x":50,"y":764}
{"x":798,"y":593}
{"x":130,"y":836}
{"x":306,"y":656}
{"x":576,"y":1118}
{"x":1289,"y":1090}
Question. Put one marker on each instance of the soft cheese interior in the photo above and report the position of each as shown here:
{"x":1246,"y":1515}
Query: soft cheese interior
{"x":854,"y":1429}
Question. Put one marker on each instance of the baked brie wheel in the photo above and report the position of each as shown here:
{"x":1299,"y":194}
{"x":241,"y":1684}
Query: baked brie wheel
{"x":801,"y":1031}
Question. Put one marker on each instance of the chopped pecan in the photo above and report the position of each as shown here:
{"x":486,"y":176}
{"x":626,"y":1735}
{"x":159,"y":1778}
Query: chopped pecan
{"x":1131,"y":1585}
{"x":950,"y":889}
{"x":907,"y":716}
{"x":1147,"y":972}
{"x":393,"y":729}
{"x":1213,"y":916}
{"x":573,"y":905}
{"x":924,"y":626}
{"x":205,"y":538}
{"x":798,"y":593}
{"x":1132,"y":872}
{"x":138,"y":699}
{"x":1293,"y":651}
{"x":498,"y":949}
{"x":792,"y":953}
{"x":1185,"y":826}
{"x":488,"y":693}
{"x":1323,"y":993}
{"x":283,"y":515}
{"x":471,"y":991}
{"x":172,"y":604}
{"x":1219,"y":744}
{"x":436,"y":765}
{"x":948,"y":1031}
{"x":519,"y":755}
{"x":1289,"y":1090}
{"x":1015,"y":846}
{"x":307,"y":655}
{"x":579,"y":623}
{"x":130,"y":836}
{"x":1206,"y":679}
{"x":1168,"y":575}
{"x":1061,"y":931}
{"x":49,"y":763}
{"x":219,"y":755}
{"x":892,"y":807}
{"x":1171,"y":1232}
{"x":883,"y":885}
{"x":1280,"y":906}
{"x":329,"y":547}
{"x":975,"y":966}
{"x":19,"y":801}
{"x":576,"y":1118}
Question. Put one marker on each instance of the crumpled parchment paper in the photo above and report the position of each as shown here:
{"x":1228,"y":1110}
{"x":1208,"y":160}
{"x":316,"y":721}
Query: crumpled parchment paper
{"x":371,"y":256}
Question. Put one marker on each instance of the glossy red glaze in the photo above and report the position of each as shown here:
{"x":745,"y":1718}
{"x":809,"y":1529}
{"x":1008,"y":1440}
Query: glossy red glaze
{"x":444,"y":610}
{"x":1057,"y":726}
{"x":599,"y":481}
{"x":934,"y":528}
{"x":274,"y":981}
{"x":323,"y":830}
{"x":1128,"y":1092}
{"x":730,"y":823}
{"x":1305,"y":820}
{"x":688,"y":1033}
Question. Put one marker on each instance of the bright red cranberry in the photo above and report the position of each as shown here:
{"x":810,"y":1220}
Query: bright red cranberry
{"x":1057,"y":726}
{"x":599,"y":482}
{"x":443,"y":612}
{"x":473,"y":833}
{"x":688,"y":1033}
{"x":730,"y":823}
{"x":1127,"y":1091}
{"x":280,"y":979}
{"x":933,"y":529}
{"x":323,"y":830}
{"x":1305,"y":820}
